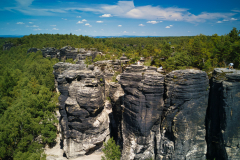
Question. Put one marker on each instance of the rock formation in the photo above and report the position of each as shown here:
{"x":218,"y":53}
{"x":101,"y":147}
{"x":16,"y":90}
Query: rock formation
{"x":223,"y":115}
{"x":182,"y":129}
{"x":84,"y":114}
{"x":177,"y":116}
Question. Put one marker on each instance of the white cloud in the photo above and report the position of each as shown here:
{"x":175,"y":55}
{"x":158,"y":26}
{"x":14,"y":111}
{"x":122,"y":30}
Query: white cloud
{"x":53,"y":25}
{"x":87,"y":24}
{"x":167,"y":27}
{"x":152,"y":22}
{"x":170,"y":25}
{"x":64,"y":19}
{"x":141,"y":25}
{"x":32,"y":26}
{"x":38,"y":29}
{"x":160,"y":21}
{"x":55,"y":29}
{"x":127,"y":9}
{"x":134,"y":32}
{"x":119,"y":25}
{"x":219,"y":21}
{"x":79,"y":17}
{"x":225,"y":20}
{"x":125,"y":32}
{"x":99,"y":21}
{"x":233,"y":19}
{"x":30,"y":22}
{"x":236,"y":10}
{"x":189,"y":31}
{"x":106,"y":15}
{"x":20,"y":23}
{"x":84,"y":20}
{"x":79,"y":22}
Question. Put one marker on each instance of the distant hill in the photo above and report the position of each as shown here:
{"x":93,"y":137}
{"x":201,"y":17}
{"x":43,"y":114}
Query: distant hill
{"x":11,"y":36}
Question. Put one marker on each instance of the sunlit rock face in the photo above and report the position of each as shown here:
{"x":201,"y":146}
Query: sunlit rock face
{"x":223,"y":116}
{"x":182,"y":130}
{"x":142,"y":110}
{"x":84,"y":114}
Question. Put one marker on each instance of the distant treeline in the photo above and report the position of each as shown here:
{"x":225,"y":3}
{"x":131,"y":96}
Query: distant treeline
{"x":27,"y":97}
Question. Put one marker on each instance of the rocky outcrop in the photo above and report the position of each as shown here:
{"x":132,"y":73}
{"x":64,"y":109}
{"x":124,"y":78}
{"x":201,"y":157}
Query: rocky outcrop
{"x":223,"y":116}
{"x":50,"y":52}
{"x":141,"y":112}
{"x":84,"y":114}
{"x":182,"y":129}
{"x":7,"y":46}
{"x":177,"y":116}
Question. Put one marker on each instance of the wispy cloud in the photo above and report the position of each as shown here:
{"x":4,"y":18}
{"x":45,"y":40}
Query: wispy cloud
{"x":141,"y":25}
{"x":119,"y":25}
{"x":79,"y":17}
{"x":99,"y":21}
{"x":225,"y":20}
{"x":78,"y":30}
{"x":125,"y":32}
{"x":219,"y":22}
{"x":53,"y":25}
{"x":152,"y":22}
{"x":84,"y":20}
{"x":127,"y":9}
{"x":64,"y":19}
{"x":20,"y":23}
{"x":32,"y":26}
{"x":30,"y":22}
{"x":79,"y":22}
{"x":235,"y":10}
{"x":38,"y":29}
{"x":55,"y":29}
{"x":233,"y":19}
{"x":167,"y":27}
{"x":106,"y":15}
{"x":87,"y":24}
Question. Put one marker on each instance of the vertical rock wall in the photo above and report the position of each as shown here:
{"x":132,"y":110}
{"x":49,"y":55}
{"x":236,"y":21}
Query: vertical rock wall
{"x":183,"y":122}
{"x":84,"y":115}
{"x":142,"y":109}
{"x":223,"y":117}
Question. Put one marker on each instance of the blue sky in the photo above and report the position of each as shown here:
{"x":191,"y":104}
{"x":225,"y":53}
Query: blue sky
{"x":116,"y":18}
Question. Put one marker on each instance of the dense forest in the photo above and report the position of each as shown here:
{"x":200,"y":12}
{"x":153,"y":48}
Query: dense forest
{"x":27,"y":96}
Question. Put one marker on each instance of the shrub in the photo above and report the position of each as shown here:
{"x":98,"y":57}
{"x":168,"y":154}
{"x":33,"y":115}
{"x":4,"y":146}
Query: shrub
{"x":111,"y":150}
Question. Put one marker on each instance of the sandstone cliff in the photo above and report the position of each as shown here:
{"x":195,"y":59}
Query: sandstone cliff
{"x":176,"y":116}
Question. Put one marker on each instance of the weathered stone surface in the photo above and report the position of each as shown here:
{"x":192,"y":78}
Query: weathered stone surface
{"x":223,"y":116}
{"x":142,"y":108}
{"x":50,"y":52}
{"x":183,"y":123}
{"x":84,"y":115}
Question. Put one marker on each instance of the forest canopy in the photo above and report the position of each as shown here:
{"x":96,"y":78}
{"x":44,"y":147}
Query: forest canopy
{"x":27,"y":95}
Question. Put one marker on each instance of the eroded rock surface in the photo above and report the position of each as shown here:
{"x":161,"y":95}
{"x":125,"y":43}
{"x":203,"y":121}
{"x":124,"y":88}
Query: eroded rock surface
{"x":224,"y":115}
{"x":183,"y":122}
{"x":142,"y":109}
{"x":84,"y":114}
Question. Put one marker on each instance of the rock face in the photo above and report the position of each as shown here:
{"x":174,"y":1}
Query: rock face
{"x":182,"y":129}
{"x":223,"y":117}
{"x":142,"y":110}
{"x":84,"y":114}
{"x":7,"y":46}
{"x":177,"y":116}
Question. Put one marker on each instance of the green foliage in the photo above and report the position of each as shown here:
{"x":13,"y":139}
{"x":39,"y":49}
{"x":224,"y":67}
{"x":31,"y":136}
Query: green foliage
{"x":115,"y":76}
{"x":111,"y":150}
{"x":88,"y":60}
{"x":27,"y":104}
{"x":70,"y":60}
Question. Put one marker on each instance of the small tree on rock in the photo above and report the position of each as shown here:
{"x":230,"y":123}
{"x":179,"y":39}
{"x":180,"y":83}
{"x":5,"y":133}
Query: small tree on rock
{"x":111,"y":150}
